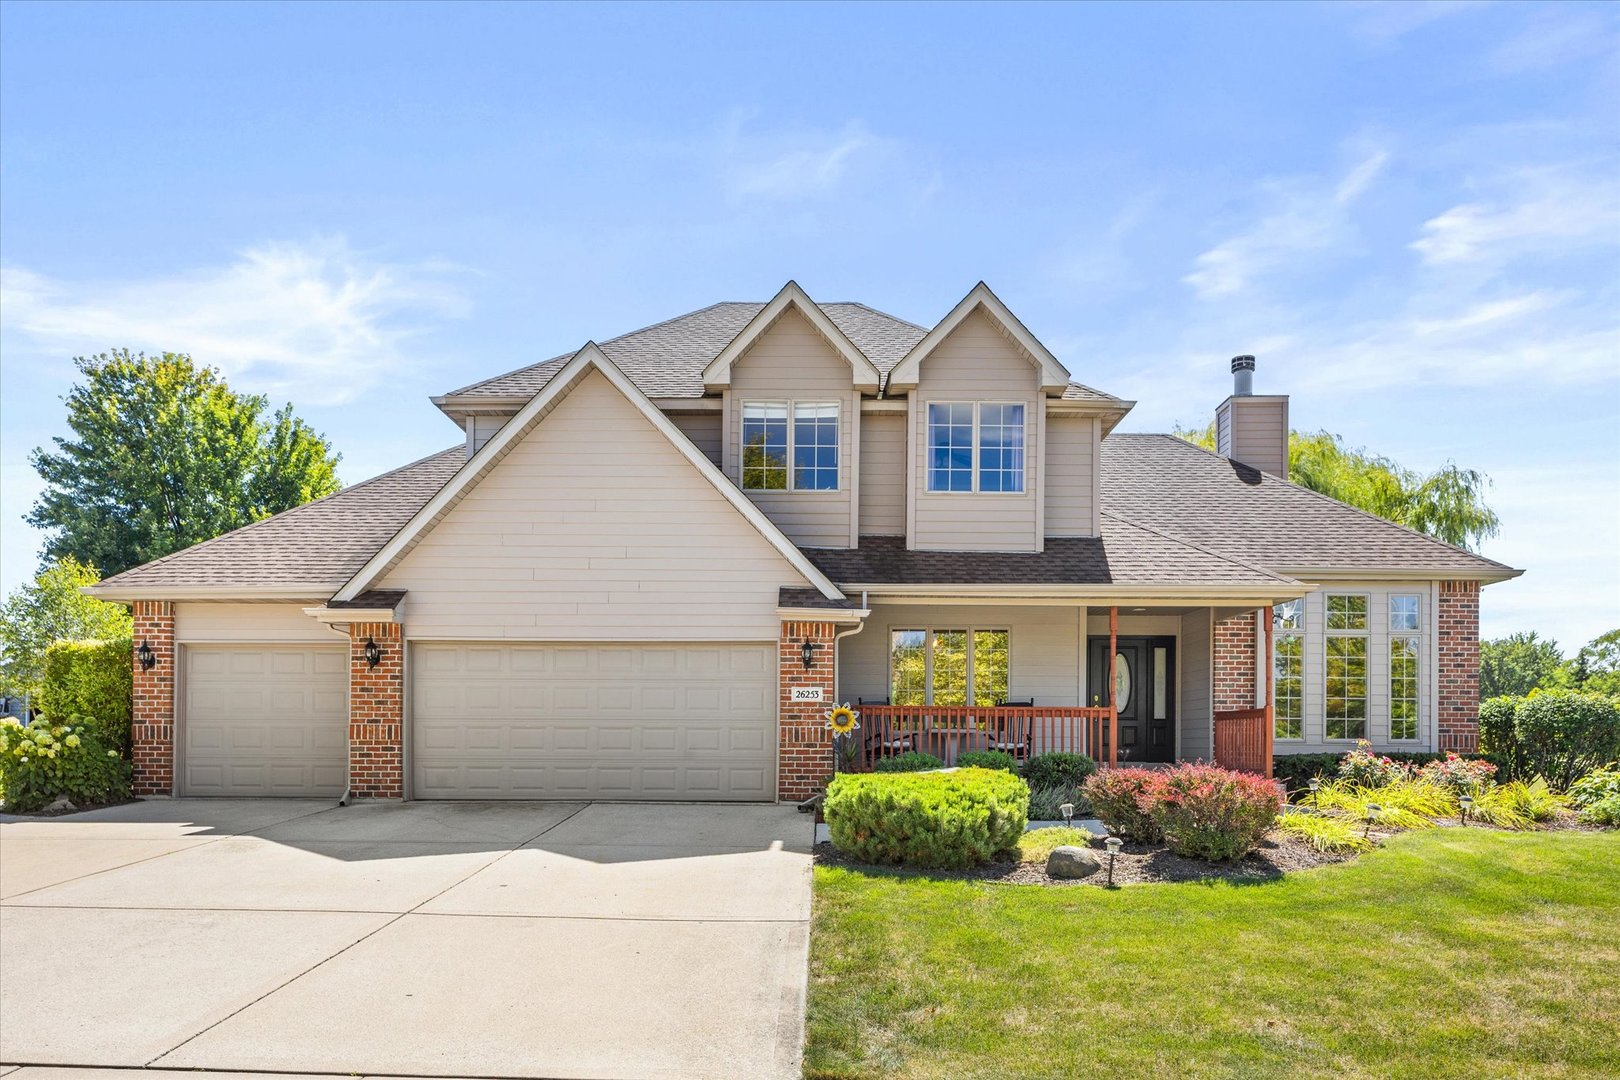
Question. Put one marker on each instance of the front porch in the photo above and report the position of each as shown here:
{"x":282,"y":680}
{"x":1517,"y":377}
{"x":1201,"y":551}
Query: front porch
{"x":1122,"y":685}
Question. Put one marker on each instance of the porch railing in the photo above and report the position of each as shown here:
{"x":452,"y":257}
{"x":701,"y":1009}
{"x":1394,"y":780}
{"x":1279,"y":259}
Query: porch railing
{"x":948,"y":730}
{"x":1243,"y":740}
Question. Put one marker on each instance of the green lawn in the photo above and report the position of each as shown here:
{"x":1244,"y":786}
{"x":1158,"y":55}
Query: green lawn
{"x":1450,"y":952}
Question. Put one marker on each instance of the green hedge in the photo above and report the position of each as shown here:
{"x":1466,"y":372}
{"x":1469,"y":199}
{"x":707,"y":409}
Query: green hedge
{"x":91,"y":680}
{"x":945,"y":820}
{"x":910,"y":761}
{"x":1562,"y":735}
{"x":1058,"y":767}
{"x":987,"y":759}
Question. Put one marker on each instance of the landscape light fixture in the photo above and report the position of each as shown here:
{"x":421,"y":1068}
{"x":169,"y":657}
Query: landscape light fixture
{"x":1067,"y":810}
{"x":1113,"y":844}
{"x":1466,"y":802}
{"x":146,"y":657}
{"x":1373,"y":810}
{"x":373,"y":652}
{"x":807,"y":652}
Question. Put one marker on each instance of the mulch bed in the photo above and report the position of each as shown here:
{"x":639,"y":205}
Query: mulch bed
{"x":1136,"y":864}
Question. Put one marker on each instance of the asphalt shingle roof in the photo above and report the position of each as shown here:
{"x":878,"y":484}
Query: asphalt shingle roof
{"x":667,"y":359}
{"x":322,"y":542}
{"x":1126,"y":554}
{"x":1167,"y":483}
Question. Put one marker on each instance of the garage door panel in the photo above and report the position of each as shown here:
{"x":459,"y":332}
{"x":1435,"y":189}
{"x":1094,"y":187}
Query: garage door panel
{"x":261,"y":720}
{"x":594,"y":721}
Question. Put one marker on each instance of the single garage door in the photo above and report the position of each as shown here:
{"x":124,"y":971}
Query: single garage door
{"x":264,"y":720}
{"x":594,"y":721}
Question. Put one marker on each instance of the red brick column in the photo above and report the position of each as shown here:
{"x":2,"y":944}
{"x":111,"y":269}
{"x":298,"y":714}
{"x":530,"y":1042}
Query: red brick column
{"x":151,"y":734}
{"x":1459,"y":666}
{"x":804,"y":742}
{"x":376,"y":714}
{"x":1235,"y":667}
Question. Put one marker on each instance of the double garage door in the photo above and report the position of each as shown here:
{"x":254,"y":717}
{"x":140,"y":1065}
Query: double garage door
{"x":260,"y":720}
{"x":593,"y":721}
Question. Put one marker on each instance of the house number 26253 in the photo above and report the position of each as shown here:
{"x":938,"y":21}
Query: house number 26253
{"x":805,"y":693}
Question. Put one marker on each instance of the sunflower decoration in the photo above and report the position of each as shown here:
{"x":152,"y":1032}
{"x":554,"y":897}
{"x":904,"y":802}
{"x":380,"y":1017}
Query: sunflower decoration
{"x":843,"y":719}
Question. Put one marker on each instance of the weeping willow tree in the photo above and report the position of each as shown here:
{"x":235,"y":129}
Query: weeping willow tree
{"x":1448,"y":504}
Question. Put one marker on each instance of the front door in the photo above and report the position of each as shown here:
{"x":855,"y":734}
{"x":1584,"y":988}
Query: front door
{"x":1144,"y":691}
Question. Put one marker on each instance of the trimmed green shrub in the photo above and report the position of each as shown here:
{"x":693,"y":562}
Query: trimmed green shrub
{"x":1057,"y":768}
{"x":1121,"y":799}
{"x":1496,"y":736}
{"x":1605,"y":812}
{"x":1207,"y":812}
{"x":1562,"y":734}
{"x":1595,"y":786}
{"x":910,"y":761}
{"x":42,"y":761}
{"x":939,"y":820}
{"x":1045,"y":801}
{"x":91,"y":680}
{"x":987,"y":759}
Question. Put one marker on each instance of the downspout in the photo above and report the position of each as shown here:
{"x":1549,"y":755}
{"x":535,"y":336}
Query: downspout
{"x":348,"y":790}
{"x":851,"y":632}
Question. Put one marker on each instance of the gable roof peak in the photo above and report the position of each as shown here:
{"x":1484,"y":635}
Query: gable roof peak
{"x":1054,"y":376}
{"x":717,"y":374}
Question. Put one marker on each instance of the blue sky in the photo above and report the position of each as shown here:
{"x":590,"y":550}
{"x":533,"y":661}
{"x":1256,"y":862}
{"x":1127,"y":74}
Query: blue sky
{"x":1411,"y":213}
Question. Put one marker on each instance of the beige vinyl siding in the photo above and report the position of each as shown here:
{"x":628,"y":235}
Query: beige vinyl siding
{"x":703,"y":428}
{"x":594,"y":527}
{"x":1195,"y":732}
{"x":976,"y":363}
{"x":883,"y":474}
{"x":1378,"y":637}
{"x":1046,"y":660}
{"x":792,"y":362}
{"x":257,"y":623}
{"x":480,"y":429}
{"x":1071,"y":443}
{"x":1254,"y":430}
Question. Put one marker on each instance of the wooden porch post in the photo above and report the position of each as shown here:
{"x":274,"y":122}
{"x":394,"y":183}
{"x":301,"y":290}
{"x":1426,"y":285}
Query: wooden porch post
{"x":1113,"y":705}
{"x":1271,"y":690}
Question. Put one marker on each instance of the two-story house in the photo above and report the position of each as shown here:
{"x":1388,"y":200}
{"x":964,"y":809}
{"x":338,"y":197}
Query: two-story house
{"x":650,"y":567}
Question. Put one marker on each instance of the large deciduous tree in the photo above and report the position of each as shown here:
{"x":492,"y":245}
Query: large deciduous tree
{"x":1519,"y":663}
{"x":164,"y":454}
{"x":1448,"y":504}
{"x":51,"y":608}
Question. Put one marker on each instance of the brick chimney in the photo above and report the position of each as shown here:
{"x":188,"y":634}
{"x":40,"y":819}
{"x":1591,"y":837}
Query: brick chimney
{"x":1253,"y":428}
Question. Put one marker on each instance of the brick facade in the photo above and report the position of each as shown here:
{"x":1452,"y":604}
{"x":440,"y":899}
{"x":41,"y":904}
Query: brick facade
{"x":152,"y":729}
{"x":804,"y":742}
{"x":376,"y":714}
{"x":1235,"y":666}
{"x":1458,"y":623}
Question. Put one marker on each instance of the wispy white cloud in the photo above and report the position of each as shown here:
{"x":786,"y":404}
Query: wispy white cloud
{"x":1537,"y":212}
{"x":316,"y":321}
{"x":1388,"y":20}
{"x":789,"y":165}
{"x":1304,"y":218}
{"x":1556,"y":35}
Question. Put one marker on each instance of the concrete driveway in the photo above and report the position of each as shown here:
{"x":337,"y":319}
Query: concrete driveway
{"x":428,"y":939}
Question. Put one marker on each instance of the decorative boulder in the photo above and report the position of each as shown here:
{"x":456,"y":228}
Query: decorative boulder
{"x":1072,"y":863}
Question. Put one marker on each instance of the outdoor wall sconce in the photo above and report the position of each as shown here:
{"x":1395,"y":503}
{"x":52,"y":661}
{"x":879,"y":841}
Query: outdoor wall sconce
{"x":1113,"y":844}
{"x":373,"y":652}
{"x":146,"y":657}
{"x":807,"y":652}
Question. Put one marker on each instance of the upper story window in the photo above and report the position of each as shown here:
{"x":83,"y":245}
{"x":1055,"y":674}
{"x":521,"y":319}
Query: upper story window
{"x":770,"y":443}
{"x":976,"y":446}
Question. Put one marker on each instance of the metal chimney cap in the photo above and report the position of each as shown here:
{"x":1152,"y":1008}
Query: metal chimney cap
{"x":1242,"y":363}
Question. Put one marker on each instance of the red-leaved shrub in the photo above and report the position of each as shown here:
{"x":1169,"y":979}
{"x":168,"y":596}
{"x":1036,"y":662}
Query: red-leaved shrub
{"x":1121,"y":799}
{"x":1207,"y":812}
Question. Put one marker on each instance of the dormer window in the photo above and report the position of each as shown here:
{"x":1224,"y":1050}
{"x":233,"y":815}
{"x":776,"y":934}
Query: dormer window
{"x":781,"y":456}
{"x":976,"y":446}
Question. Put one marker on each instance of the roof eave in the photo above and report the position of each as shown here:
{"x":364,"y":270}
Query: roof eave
{"x":1485,"y":575}
{"x":1258,"y":593}
{"x":296,"y":593}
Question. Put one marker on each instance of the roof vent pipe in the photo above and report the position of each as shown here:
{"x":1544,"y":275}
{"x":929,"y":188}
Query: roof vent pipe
{"x":1242,"y":376}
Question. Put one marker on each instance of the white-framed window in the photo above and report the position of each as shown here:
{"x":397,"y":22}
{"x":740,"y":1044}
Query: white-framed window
{"x":976,"y":446}
{"x":949,"y":666}
{"x":779,"y":455}
{"x":1345,"y":670}
{"x":1288,"y":660}
{"x":1405,"y":626}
